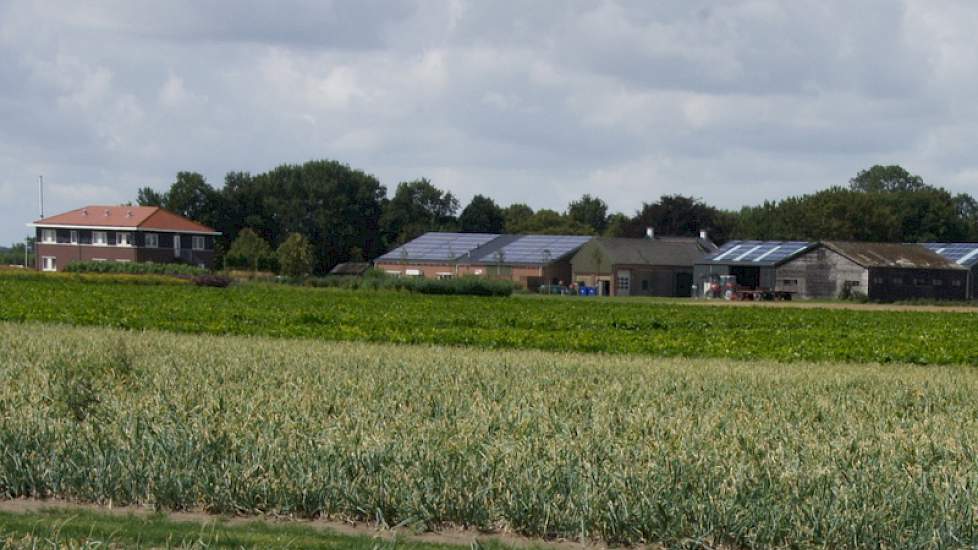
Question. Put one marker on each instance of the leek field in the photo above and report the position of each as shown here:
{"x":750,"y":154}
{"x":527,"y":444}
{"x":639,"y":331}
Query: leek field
{"x":668,"y":329}
{"x":618,"y":448}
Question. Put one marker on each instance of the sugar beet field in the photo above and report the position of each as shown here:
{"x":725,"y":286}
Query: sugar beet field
{"x":656,"y":329}
{"x":746,"y":427}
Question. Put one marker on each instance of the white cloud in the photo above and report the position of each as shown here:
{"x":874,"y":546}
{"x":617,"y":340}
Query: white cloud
{"x":732,"y":101}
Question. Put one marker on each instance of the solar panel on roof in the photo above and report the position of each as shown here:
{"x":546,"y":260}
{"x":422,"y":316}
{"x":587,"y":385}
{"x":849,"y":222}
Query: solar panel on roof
{"x":756,"y":252}
{"x":534,"y":249}
{"x":965,"y":254}
{"x":439,"y":246}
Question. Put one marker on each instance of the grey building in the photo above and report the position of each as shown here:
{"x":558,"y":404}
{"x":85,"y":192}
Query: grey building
{"x":963,"y":254}
{"x":882,"y":271}
{"x":660,"y":266}
{"x":755,"y":264}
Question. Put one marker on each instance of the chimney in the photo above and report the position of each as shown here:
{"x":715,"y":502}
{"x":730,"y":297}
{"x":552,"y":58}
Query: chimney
{"x":703,"y":235}
{"x":84,"y":211}
{"x":649,"y":233}
{"x":129,"y":214}
{"x":106,"y":212}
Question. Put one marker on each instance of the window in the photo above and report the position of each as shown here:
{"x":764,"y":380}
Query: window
{"x":152,"y":240}
{"x":99,"y":260}
{"x":919,"y":282}
{"x":49,"y":263}
{"x":49,"y":236}
{"x":937,"y":282}
{"x":898,"y":280}
{"x":956,"y":282}
{"x":877,"y":280}
{"x":99,"y":238}
{"x":74,"y":237}
{"x":198,"y":243}
{"x":624,"y":283}
{"x":123,"y":239}
{"x":123,"y":261}
{"x":645,"y":284}
{"x":445,"y":275}
{"x":851,"y":284}
{"x":789,"y":282}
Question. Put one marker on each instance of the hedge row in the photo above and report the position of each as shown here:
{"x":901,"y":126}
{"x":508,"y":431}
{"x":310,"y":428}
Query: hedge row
{"x":135,"y":268}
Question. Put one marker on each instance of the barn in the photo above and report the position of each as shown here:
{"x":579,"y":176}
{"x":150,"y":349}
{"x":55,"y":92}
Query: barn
{"x":659,"y":266}
{"x":528,"y":260}
{"x":755,"y":264}
{"x":963,"y":254}
{"x":828,"y":269}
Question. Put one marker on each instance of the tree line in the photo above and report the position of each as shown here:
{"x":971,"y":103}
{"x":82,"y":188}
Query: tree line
{"x":344,"y":214}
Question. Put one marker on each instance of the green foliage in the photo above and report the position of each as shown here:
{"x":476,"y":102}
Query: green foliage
{"x":482,"y":215}
{"x":250,"y":251}
{"x":886,"y":179}
{"x":134,"y":268}
{"x":570,"y":324}
{"x":550,"y":222}
{"x":589,"y":211}
{"x":461,"y":286}
{"x":613,"y":449}
{"x":295,"y":256}
{"x":95,"y":278}
{"x":680,"y":216}
{"x":417,"y":207}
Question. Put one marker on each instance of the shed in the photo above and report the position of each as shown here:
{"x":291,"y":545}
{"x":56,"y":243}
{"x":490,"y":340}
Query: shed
{"x":963,"y":254}
{"x":660,"y":266}
{"x":754,"y":263}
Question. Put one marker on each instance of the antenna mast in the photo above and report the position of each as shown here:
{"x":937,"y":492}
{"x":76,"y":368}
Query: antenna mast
{"x":40,"y":193}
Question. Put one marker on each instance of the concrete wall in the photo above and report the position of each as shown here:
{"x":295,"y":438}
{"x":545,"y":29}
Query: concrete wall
{"x":821,"y":273}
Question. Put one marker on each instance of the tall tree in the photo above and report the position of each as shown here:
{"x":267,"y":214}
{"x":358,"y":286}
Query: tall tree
{"x":892,"y":178}
{"x":295,"y":256}
{"x":589,"y":211}
{"x":678,"y":215}
{"x":515,"y":217}
{"x":417,"y":207}
{"x":482,"y":215}
{"x":191,"y":196}
{"x":550,"y":222}
{"x":147,"y":196}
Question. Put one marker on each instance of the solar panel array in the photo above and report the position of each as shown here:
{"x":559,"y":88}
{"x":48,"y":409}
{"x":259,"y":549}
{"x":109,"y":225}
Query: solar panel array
{"x":534,"y":249}
{"x":439,"y":247}
{"x":756,"y":252}
{"x":965,"y":254}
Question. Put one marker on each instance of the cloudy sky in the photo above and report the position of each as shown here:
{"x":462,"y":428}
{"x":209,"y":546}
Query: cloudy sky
{"x":537,"y":102}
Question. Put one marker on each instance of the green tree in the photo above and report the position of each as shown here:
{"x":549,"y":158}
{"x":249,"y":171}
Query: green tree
{"x":680,"y":216}
{"x":192,"y":197}
{"x":589,"y":211}
{"x":248,"y":251}
{"x":617,"y":225}
{"x":551,"y":222}
{"x":482,"y":215}
{"x":880,"y":179}
{"x":515,"y":216}
{"x":295,"y":256}
{"x":147,"y":196}
{"x":417,"y":207}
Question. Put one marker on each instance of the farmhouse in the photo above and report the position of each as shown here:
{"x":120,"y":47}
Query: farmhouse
{"x":828,"y":269}
{"x":963,"y":254}
{"x":122,"y":234}
{"x":658,"y":266}
{"x":528,"y":260}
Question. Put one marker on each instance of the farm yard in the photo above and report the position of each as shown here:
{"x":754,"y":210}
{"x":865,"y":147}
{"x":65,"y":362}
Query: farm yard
{"x":610,"y":422}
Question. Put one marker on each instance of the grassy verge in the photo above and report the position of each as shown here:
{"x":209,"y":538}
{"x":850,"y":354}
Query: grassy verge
{"x":56,"y":528}
{"x":620,"y":449}
{"x":658,"y":329}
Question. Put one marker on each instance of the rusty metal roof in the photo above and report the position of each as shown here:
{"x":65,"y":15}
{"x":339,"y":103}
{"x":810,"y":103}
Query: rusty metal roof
{"x":894,"y":255}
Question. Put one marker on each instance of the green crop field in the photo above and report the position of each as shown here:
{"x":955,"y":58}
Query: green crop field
{"x":610,"y":447}
{"x":657,"y":329}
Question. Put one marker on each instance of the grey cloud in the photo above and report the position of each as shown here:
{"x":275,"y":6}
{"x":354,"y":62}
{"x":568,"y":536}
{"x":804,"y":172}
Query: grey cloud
{"x":734,"y":101}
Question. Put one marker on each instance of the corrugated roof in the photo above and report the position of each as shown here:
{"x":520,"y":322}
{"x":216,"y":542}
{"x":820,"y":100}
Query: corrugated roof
{"x":756,"y":253}
{"x":141,"y":217}
{"x":665,"y":251}
{"x":891,"y":255}
{"x":965,"y":254}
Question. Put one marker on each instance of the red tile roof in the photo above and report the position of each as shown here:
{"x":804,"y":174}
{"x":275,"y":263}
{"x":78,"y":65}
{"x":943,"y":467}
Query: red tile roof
{"x":136,"y":217}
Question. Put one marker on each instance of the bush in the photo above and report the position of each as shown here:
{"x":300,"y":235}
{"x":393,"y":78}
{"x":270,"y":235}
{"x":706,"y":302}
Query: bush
{"x":376,"y":280}
{"x":135,"y":268}
{"x":250,"y":251}
{"x":104,"y":278}
{"x":216,"y":281}
{"x":295,"y":256}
